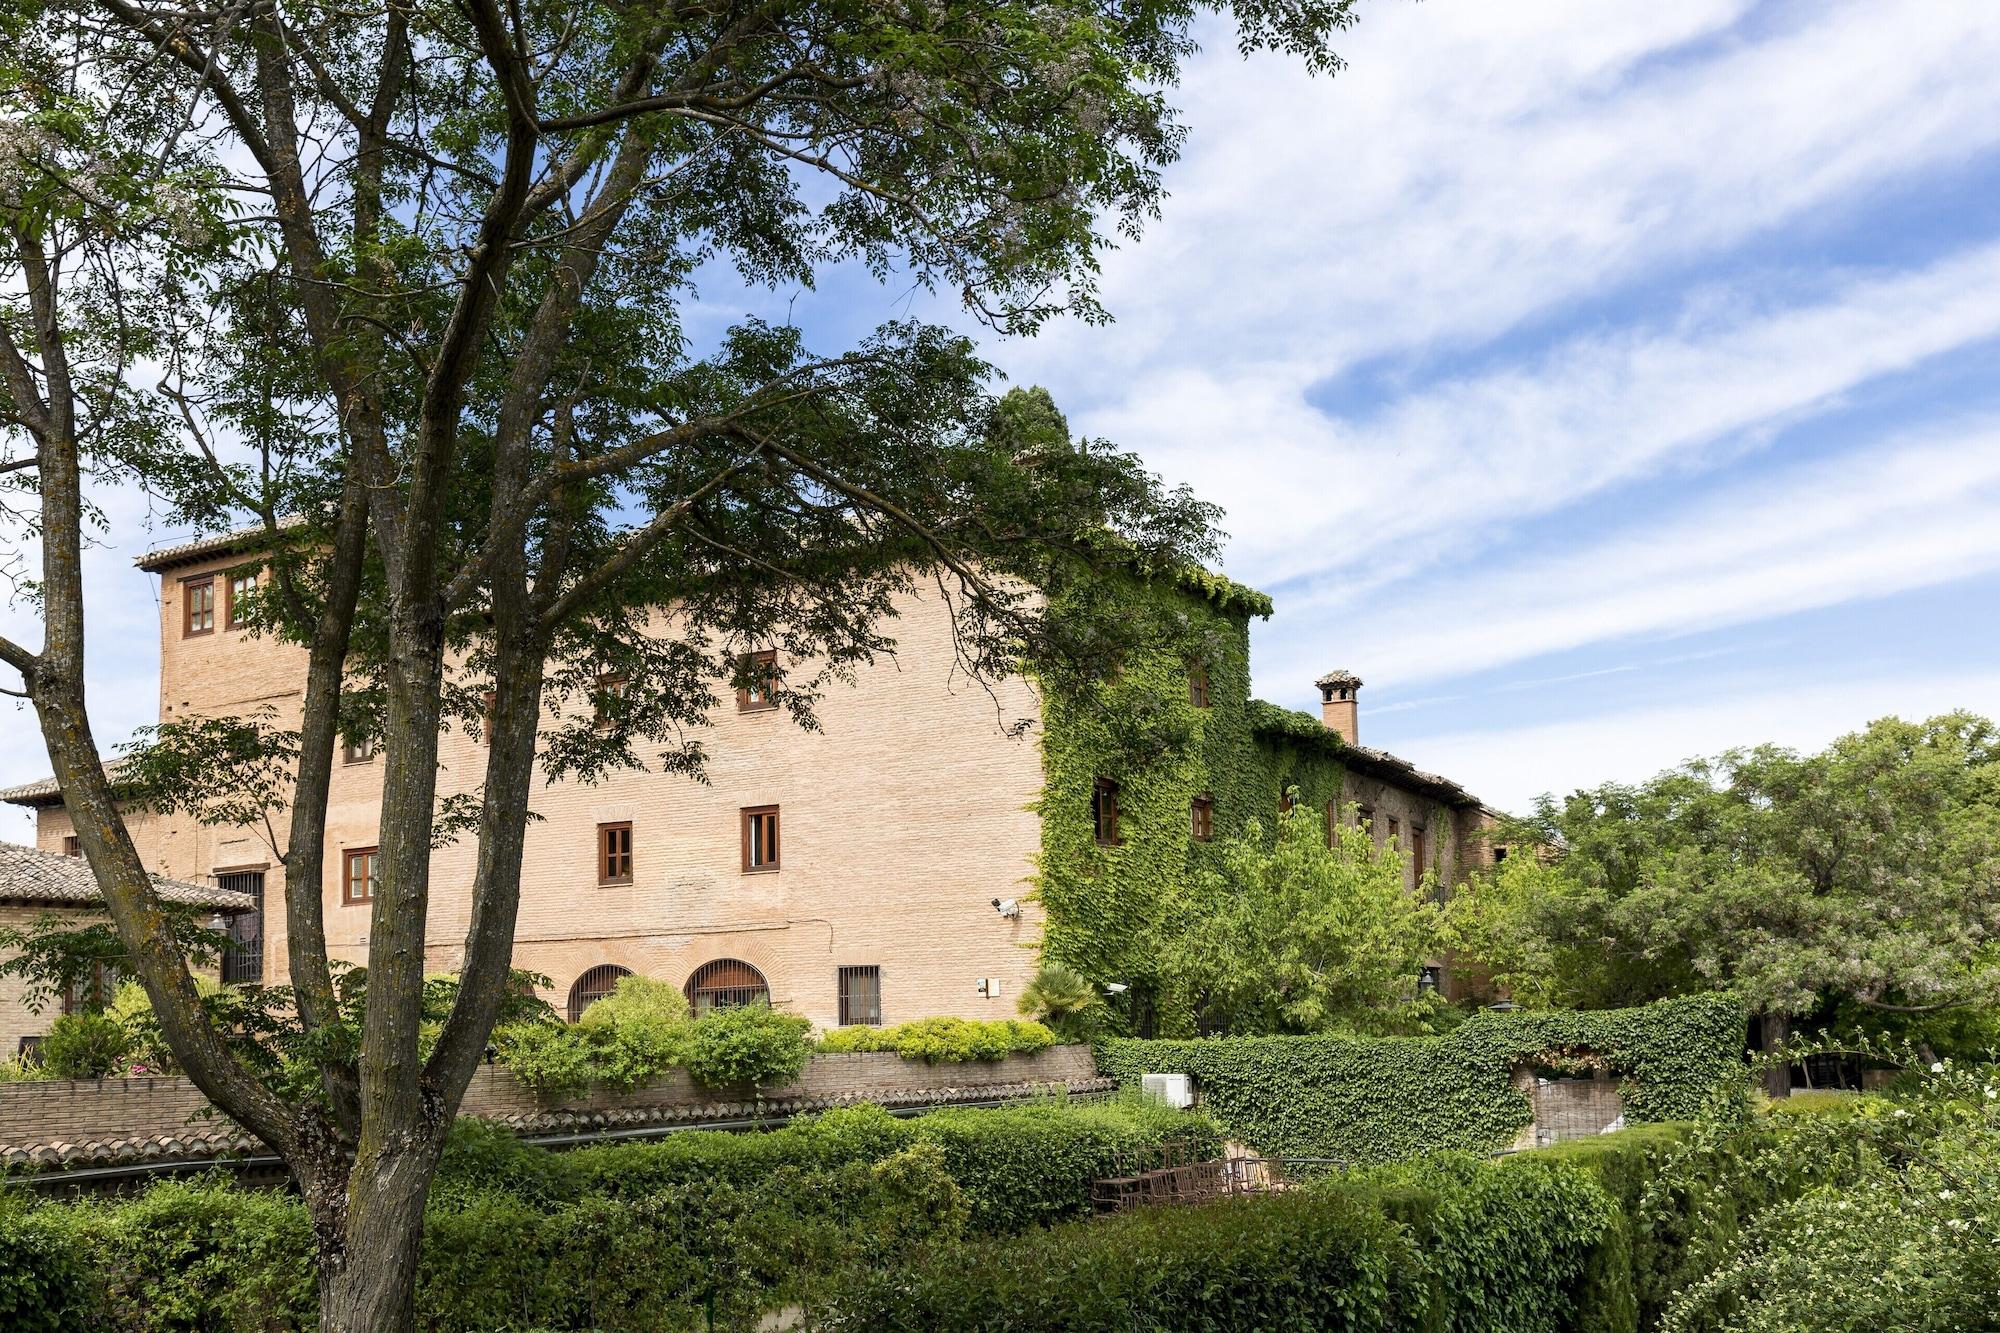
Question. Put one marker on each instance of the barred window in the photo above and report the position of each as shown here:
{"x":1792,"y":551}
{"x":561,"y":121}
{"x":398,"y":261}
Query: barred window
{"x":726,"y":983}
{"x":861,"y":996}
{"x":593,"y":986}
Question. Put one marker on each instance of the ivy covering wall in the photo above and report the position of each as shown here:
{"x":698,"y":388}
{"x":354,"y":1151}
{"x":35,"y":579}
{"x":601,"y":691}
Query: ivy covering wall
{"x":1111,"y":909}
{"x":1387,"y":1099}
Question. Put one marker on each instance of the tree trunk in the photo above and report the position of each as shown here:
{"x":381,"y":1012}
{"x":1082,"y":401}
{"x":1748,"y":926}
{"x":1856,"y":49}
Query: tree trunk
{"x":370,"y":1232}
{"x":1776,"y":1030}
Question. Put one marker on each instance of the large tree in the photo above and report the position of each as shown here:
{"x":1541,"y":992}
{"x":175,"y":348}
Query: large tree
{"x":409,"y":286}
{"x":1865,"y":877}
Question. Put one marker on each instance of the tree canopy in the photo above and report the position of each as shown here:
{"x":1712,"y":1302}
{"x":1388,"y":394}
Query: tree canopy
{"x":1865,"y":876}
{"x":414,"y":290}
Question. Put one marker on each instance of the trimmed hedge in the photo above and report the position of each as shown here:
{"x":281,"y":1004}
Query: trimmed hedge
{"x":944,"y":1040}
{"x":631,"y":1237}
{"x":1377,"y":1100}
{"x":1454,"y":1244}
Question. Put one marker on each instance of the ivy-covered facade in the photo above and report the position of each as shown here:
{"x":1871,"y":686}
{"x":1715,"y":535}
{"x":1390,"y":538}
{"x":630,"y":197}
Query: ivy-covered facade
{"x":1139,"y":766}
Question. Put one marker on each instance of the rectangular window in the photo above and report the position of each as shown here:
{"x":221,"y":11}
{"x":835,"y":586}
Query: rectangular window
{"x":1285,"y":801}
{"x":357,"y":875}
{"x":606,"y":695}
{"x":1203,"y":814}
{"x":1332,"y":820}
{"x":1395,"y":829}
{"x":488,"y":703}
{"x":861,"y":996}
{"x":1104,"y":812}
{"x":758,"y":670}
{"x":1198,"y":685}
{"x":72,"y":845}
{"x":760,"y":838}
{"x":1499,"y":855}
{"x":614,"y":853}
{"x":1364,"y":815}
{"x":198,"y":596}
{"x":241,"y":585}
{"x":358,"y":752}
{"x":1417,"y":853}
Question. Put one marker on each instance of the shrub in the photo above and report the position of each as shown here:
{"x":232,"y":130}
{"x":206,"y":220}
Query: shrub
{"x":551,"y":1060}
{"x":1299,"y":1260}
{"x":744,"y":1046}
{"x":944,"y":1040}
{"x":637,"y":1032}
{"x":84,"y":1046}
{"x":45,"y":1286}
{"x":1067,"y":1001}
{"x":1378,"y":1100}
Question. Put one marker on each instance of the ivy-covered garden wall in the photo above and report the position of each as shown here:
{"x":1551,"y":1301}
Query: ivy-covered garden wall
{"x":1387,"y":1099}
{"x":1111,"y":910}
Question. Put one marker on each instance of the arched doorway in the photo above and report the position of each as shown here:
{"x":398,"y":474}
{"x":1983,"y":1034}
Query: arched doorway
{"x":593,"y":986}
{"x":725,"y":984}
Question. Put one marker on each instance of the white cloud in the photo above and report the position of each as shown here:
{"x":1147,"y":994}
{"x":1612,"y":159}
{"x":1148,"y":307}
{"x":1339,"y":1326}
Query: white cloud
{"x":1896,"y":515}
{"x":1509,"y":767}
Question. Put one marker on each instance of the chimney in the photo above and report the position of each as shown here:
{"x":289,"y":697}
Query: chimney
{"x":1338,"y":707}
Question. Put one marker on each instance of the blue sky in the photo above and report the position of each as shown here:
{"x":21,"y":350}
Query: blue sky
{"x":1605,"y":384}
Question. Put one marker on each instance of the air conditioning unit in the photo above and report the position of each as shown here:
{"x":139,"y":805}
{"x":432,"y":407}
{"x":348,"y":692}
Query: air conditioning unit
{"x":1176,"y":1090}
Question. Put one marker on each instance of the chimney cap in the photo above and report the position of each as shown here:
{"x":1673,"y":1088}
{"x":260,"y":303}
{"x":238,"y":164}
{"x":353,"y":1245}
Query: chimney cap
{"x":1335,"y":679}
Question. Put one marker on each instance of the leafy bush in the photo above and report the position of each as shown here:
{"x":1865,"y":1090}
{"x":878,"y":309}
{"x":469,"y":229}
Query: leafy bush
{"x":551,"y":1060}
{"x":1299,"y":1260}
{"x":1377,"y":1100}
{"x":637,"y":1032}
{"x":84,"y":1046}
{"x":1066,"y":1000}
{"x":44,"y":1285}
{"x":745,"y":1046}
{"x":944,"y":1040}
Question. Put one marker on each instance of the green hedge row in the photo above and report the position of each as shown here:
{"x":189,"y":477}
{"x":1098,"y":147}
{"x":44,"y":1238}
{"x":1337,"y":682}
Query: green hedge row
{"x":944,"y":1040}
{"x":635,"y":1236}
{"x":1454,"y":1244}
{"x":1375,"y":1100}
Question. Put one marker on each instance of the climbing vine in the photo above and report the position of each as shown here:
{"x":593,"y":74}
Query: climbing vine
{"x":1112,"y":910}
{"x":1369,"y":1100}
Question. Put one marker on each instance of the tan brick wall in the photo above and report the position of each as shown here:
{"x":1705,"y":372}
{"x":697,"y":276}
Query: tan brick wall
{"x":32,"y":1114}
{"x":902,"y":819}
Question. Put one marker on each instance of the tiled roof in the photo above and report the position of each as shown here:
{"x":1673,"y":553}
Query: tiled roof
{"x":45,"y":791}
{"x":221,"y":1139}
{"x":222,"y":543}
{"x":33,"y":876}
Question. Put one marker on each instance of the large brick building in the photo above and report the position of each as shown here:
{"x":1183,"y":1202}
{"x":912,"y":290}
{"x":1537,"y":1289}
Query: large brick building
{"x":876,"y":870}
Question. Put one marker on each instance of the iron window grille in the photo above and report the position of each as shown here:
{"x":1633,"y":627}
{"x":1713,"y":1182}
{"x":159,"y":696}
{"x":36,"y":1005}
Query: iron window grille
{"x":861,"y":996}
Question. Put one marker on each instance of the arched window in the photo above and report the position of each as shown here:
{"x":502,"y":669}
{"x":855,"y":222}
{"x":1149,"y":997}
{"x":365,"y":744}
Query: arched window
{"x":725,"y":984}
{"x":593,"y":986}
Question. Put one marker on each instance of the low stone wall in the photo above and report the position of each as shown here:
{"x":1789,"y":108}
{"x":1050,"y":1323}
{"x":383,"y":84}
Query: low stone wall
{"x":63,"y":1112}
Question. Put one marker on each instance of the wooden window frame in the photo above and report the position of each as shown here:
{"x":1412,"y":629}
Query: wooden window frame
{"x":1286,"y":800}
{"x":747,"y":664}
{"x":230,"y":620}
{"x":1395,"y":830}
{"x":608,"y":685}
{"x":1332,"y":821}
{"x":1417,"y":851}
{"x":1104,"y":812}
{"x":72,"y":845}
{"x":843,"y":999}
{"x":1364,"y":817}
{"x":611,"y":857}
{"x":348,"y":856}
{"x":1198,"y":684}
{"x":1201,"y":818}
{"x":747,"y":817}
{"x":358,"y":752}
{"x":188,"y":587}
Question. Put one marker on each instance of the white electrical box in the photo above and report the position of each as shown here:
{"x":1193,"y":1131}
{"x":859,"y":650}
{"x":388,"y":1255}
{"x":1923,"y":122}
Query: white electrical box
{"x":990,"y":987}
{"x":1176,"y":1090}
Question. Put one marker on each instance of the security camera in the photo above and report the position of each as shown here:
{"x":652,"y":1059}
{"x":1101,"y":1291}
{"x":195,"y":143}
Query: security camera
{"x":1116,"y":987}
{"x":1007,"y":907}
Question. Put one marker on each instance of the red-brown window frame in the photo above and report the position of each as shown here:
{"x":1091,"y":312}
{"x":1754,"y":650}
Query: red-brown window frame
{"x":230,"y":620}
{"x":188,"y":587}
{"x":1417,"y":850}
{"x":614,"y":853}
{"x":1332,"y":820}
{"x":1201,"y":818}
{"x":1395,"y":829}
{"x":748,"y":817}
{"x":1104,"y":812}
{"x":749,"y":665}
{"x":348,"y":857}
{"x":608,"y":686}
{"x":1198,"y":684}
{"x":72,"y":845}
{"x":358,"y":752}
